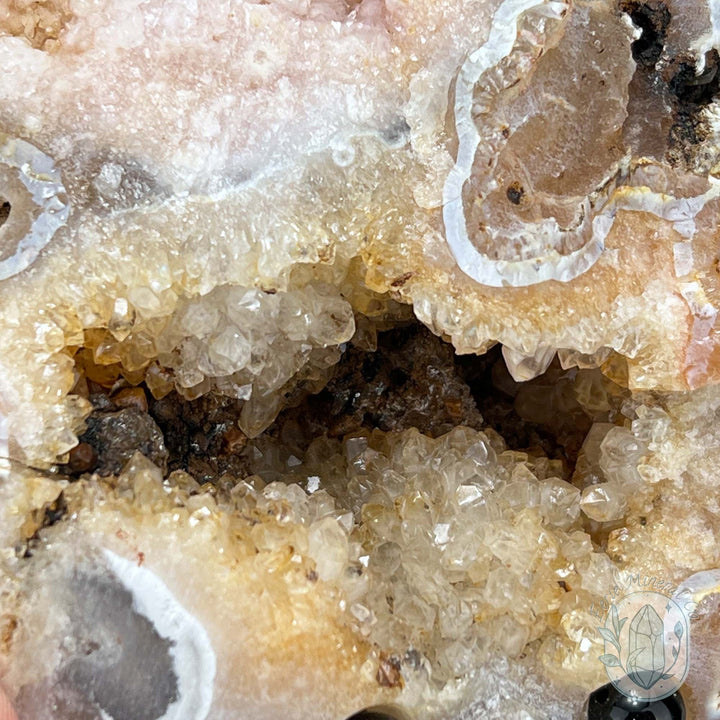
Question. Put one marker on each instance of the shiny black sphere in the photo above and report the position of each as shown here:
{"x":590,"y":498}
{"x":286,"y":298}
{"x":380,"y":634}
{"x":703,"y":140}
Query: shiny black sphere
{"x":380,"y":713}
{"x":607,"y":703}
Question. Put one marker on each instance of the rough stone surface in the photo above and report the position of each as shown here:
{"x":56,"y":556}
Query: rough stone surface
{"x":116,"y":436}
{"x":407,"y":378}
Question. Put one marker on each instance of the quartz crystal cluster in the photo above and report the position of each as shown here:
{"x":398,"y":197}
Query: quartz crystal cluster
{"x":407,"y":569}
{"x":353,"y":351}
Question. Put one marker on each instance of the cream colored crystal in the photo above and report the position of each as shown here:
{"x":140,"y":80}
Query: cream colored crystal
{"x":178,"y":199}
{"x":423,"y":591}
{"x":215,"y":197}
{"x":603,"y":502}
{"x":423,"y":570}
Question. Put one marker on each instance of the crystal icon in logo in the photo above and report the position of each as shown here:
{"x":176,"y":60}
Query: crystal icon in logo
{"x":646,"y":645}
{"x":646,"y":658}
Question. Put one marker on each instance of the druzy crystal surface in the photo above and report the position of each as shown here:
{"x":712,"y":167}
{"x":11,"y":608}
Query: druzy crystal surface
{"x":355,"y":353}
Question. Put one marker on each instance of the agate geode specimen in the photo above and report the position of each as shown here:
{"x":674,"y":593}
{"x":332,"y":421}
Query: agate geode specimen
{"x":356,"y":354}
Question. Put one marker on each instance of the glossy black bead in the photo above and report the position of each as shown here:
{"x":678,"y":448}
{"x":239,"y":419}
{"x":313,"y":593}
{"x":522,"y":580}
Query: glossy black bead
{"x":607,"y":703}
{"x":385,"y":712}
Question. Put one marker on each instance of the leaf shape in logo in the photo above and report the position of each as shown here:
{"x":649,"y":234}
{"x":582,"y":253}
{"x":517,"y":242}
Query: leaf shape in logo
{"x":679,"y":630}
{"x":608,"y":636}
{"x":609,"y":661}
{"x":646,"y":652}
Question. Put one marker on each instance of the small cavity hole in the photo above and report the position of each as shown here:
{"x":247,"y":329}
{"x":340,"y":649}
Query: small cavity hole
{"x":652,"y":17}
{"x":5,"y":208}
{"x":515,"y":193}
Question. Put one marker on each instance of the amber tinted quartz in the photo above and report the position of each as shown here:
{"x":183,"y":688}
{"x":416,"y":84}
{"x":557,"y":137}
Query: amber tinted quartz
{"x":215,"y":211}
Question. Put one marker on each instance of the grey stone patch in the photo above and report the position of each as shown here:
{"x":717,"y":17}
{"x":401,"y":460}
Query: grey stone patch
{"x":116,"y":436}
{"x":121,"y":665}
{"x":118,"y":645}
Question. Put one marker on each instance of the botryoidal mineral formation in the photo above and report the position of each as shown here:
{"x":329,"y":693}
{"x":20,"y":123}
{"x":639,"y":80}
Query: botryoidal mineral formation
{"x":211,"y":213}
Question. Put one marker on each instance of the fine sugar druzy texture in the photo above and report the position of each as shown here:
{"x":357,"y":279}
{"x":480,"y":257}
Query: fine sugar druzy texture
{"x":213,"y":213}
